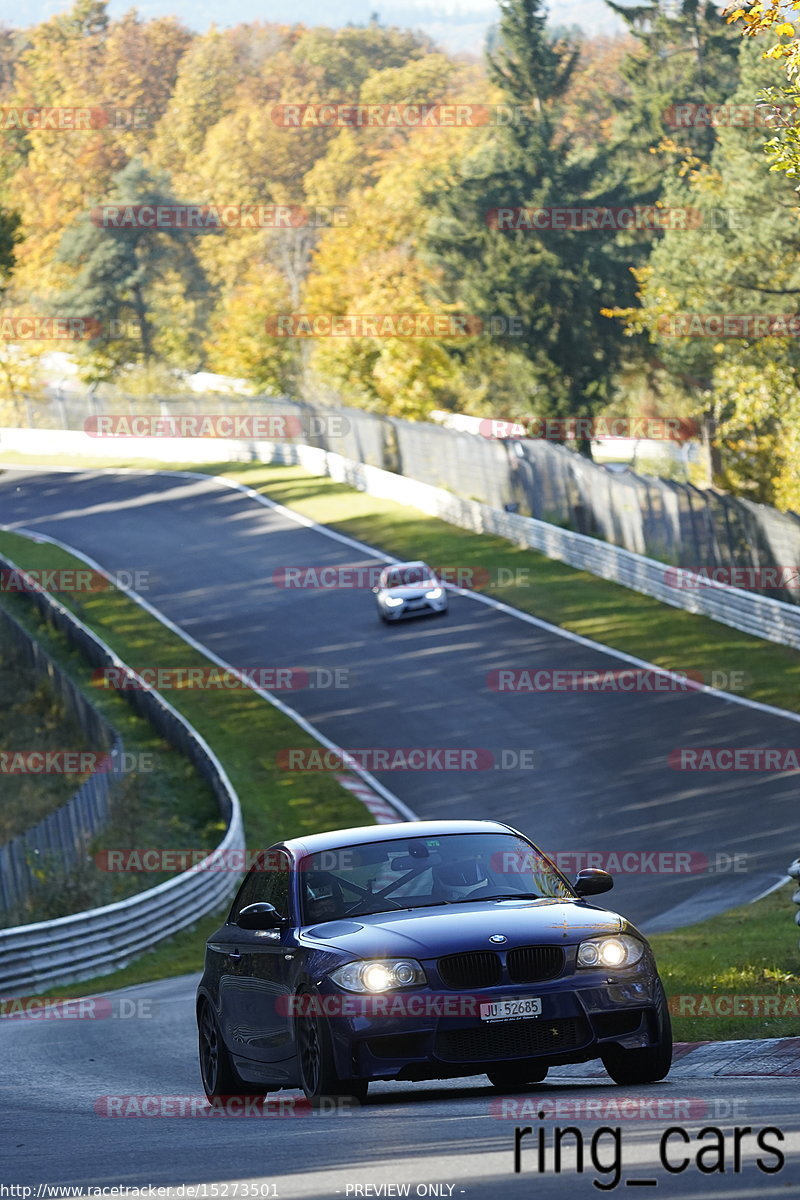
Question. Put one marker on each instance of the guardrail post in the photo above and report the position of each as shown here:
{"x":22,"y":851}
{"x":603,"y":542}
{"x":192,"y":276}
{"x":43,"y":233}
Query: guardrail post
{"x":79,"y":946}
{"x":794,"y":871}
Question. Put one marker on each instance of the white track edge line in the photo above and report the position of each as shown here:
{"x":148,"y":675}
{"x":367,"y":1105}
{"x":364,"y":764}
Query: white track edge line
{"x":489,"y":601}
{"x":404,"y":812}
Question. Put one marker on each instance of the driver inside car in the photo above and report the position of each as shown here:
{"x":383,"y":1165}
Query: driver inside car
{"x":323,"y":897}
{"x":458,"y":880}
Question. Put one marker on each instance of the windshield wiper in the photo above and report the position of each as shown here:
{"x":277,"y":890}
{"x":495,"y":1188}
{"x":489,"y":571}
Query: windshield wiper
{"x":505,"y":896}
{"x":404,"y":908}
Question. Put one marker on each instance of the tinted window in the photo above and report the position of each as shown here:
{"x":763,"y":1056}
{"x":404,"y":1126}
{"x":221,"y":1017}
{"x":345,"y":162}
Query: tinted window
{"x":409,"y":576}
{"x":419,"y":872}
{"x":268,"y":882}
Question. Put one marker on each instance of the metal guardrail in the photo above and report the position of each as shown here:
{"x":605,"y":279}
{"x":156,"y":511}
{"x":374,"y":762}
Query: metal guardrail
{"x":765,"y":618}
{"x":69,"y":949}
{"x":62,"y":836}
{"x":794,"y":873}
{"x":761,"y":616}
{"x":663,"y":519}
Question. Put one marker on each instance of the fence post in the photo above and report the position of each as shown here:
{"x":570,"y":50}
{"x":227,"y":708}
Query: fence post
{"x":794,"y":871}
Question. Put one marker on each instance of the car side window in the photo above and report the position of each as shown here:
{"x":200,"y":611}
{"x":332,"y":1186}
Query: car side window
{"x":246,"y":895}
{"x":276,"y":889}
{"x":268,"y":882}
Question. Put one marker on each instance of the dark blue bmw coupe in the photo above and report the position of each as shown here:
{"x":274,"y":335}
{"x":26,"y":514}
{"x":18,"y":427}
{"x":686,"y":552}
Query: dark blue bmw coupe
{"x":422,"y":950}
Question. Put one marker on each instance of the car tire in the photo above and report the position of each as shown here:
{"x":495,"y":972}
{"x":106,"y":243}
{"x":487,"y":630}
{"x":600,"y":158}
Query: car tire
{"x":631,"y":1067}
{"x":517,"y":1075}
{"x":318,"y":1075}
{"x":220,"y":1077}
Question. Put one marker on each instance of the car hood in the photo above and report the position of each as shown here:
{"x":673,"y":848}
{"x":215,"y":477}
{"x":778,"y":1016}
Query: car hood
{"x":410,"y":593}
{"x":429,"y":932}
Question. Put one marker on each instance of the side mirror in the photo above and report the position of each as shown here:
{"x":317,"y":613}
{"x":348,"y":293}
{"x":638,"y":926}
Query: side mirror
{"x":259,"y":916}
{"x":591,"y":881}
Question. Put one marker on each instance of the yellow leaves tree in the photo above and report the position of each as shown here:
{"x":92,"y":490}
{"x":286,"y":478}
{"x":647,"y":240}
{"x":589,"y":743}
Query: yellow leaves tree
{"x":373,"y":268}
{"x":758,"y":399}
{"x":781,"y":103}
{"x":238,"y":344}
{"x":81,"y":60}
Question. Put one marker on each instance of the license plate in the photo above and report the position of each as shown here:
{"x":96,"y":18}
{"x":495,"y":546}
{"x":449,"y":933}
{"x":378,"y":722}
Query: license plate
{"x":511,"y":1010}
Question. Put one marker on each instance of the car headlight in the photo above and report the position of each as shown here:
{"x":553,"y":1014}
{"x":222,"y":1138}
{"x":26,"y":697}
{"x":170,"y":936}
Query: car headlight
{"x":620,"y":951}
{"x":433,"y":594}
{"x":380,"y":975}
{"x":393,"y":601}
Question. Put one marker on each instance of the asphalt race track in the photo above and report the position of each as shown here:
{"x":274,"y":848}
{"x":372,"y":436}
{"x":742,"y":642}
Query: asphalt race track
{"x":61,"y":1076}
{"x":601,"y":780}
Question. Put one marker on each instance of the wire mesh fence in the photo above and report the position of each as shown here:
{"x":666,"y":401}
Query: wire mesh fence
{"x":670,"y":521}
{"x":61,"y":839}
{"x":66,"y":832}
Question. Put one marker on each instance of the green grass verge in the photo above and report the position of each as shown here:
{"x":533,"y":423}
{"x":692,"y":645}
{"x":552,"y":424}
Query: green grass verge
{"x":244,"y":730}
{"x":575,"y":600}
{"x":163,"y":802}
{"x":749,"y":951}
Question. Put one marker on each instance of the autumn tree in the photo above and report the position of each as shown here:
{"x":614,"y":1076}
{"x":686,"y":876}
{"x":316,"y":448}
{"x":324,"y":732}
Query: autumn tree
{"x":739,"y":258}
{"x":684,"y":54}
{"x":145,"y":287}
{"x":775,"y":22}
{"x":82,"y":60}
{"x":551,"y":282}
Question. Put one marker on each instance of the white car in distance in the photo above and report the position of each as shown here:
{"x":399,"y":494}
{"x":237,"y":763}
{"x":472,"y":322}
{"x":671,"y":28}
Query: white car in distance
{"x":409,"y":589}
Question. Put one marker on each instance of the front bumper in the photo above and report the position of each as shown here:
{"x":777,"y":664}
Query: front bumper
{"x":441,"y":1034}
{"x":414,"y":608}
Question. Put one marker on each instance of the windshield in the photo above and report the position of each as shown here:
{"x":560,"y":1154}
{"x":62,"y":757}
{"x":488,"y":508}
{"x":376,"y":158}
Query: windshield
{"x":418,"y":576}
{"x":419,"y":872}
